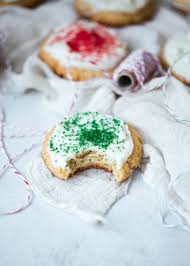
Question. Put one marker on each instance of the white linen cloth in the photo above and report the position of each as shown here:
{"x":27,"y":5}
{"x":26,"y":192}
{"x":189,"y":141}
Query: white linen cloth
{"x":167,"y":141}
{"x":89,"y":194}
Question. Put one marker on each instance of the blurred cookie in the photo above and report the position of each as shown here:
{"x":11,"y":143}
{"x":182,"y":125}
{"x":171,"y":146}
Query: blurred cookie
{"x":177,"y":48}
{"x":92,"y":140}
{"x":116,"y":13}
{"x":182,"y":5}
{"x":24,"y":3}
{"x":82,"y":50}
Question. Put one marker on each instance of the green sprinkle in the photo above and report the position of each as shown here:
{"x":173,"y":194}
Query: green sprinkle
{"x":85,"y":130}
{"x":97,"y":137}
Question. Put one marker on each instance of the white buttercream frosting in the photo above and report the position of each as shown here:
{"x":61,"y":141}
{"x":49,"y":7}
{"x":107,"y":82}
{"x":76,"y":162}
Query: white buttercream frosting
{"x":90,"y":131}
{"x":116,"y":5}
{"x":112,"y":50}
{"x":174,"y":49}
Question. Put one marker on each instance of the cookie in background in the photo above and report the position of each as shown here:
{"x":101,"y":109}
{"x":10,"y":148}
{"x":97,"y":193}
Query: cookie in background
{"x":182,"y":5}
{"x":82,"y":50}
{"x":176,"y":54}
{"x":24,"y":3}
{"x":116,"y":13}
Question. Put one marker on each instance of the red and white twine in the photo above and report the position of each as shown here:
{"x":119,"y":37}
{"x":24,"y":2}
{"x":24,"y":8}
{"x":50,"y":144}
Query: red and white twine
{"x":11,"y":165}
{"x":75,"y":95}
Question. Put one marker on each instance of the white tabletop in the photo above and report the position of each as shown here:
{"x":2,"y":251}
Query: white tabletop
{"x":42,"y":235}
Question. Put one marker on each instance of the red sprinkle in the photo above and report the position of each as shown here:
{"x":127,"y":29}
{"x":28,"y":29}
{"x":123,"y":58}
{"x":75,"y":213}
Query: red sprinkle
{"x":86,"y":41}
{"x":96,"y":40}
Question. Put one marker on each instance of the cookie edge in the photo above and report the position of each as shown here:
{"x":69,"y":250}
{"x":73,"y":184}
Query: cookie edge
{"x":166,"y":65}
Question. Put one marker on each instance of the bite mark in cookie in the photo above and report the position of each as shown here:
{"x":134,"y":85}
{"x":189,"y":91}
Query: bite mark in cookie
{"x":91,"y":140}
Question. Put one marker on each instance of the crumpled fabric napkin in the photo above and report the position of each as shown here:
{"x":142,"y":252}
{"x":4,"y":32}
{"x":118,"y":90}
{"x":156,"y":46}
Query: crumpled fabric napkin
{"x":89,"y":194}
{"x":167,"y":141}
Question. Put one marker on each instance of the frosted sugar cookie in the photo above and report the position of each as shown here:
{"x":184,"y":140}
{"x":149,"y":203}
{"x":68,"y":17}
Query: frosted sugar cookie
{"x":83,"y":49}
{"x":92,"y":140}
{"x":116,"y":12}
{"x":178,"y":48}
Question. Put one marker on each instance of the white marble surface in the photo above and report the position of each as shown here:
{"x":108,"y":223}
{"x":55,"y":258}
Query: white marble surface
{"x":42,"y":235}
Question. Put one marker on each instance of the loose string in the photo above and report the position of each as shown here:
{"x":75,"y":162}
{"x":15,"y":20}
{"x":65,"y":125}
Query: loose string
{"x":20,"y":133}
{"x":17,"y":157}
{"x":75,"y":95}
{"x":11,"y":165}
{"x":3,"y":36}
{"x":11,"y":161}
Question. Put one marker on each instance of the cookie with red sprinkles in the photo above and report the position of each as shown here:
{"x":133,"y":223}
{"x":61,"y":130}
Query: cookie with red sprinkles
{"x":82,"y":50}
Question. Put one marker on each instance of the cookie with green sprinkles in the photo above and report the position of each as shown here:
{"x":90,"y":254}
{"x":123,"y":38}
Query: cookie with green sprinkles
{"x":92,"y":140}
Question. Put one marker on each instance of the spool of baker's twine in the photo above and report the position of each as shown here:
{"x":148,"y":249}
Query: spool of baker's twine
{"x":134,"y":71}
